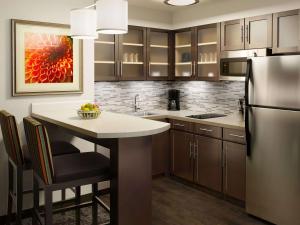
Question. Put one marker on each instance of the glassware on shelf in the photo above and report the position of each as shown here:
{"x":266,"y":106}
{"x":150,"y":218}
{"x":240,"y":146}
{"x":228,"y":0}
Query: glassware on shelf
{"x":211,"y":57}
{"x":201,"y":57}
{"x":125,"y":57}
{"x":215,"y":57}
{"x":136,"y":57}
{"x":205,"y":57}
{"x":131,"y":57}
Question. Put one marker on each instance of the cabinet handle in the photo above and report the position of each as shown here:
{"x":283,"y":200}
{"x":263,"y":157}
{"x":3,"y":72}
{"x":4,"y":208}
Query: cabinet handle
{"x":194,"y":68}
{"x":242,"y":34}
{"x":235,"y":135}
{"x":247,"y":33}
{"x":178,"y":125}
{"x":206,"y":130}
{"x":196,"y":152}
{"x":121,"y":68}
{"x":149,"y":70}
{"x":191,"y":154}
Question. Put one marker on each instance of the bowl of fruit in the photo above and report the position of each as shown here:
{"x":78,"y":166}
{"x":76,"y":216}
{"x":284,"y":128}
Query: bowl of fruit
{"x":89,"y":111}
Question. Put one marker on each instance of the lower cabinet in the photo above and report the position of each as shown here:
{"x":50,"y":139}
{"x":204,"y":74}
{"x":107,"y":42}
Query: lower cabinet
{"x":161,"y":153}
{"x":234,"y":181}
{"x":208,"y":171}
{"x":182,"y":154}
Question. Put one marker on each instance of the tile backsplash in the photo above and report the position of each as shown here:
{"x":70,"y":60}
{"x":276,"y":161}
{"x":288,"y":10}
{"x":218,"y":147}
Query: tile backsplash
{"x":198,"y":96}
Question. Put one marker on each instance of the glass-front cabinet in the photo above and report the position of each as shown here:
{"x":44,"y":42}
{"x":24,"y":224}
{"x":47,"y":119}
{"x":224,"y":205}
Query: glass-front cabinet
{"x":159,"y":54}
{"x":106,"y":58}
{"x":208,"y":52}
{"x":184,"y":54}
{"x":132,"y":51}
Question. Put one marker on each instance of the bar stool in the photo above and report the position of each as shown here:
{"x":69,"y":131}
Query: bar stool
{"x":60,"y":172}
{"x":19,"y":161}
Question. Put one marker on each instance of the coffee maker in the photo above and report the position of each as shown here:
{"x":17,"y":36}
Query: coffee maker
{"x":173,"y":100}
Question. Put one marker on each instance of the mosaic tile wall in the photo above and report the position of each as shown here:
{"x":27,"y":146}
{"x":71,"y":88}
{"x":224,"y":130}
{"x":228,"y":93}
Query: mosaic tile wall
{"x":198,"y":96}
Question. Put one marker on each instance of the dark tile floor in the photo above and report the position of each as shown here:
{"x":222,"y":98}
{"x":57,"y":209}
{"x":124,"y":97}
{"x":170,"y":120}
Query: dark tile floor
{"x":175,"y":204}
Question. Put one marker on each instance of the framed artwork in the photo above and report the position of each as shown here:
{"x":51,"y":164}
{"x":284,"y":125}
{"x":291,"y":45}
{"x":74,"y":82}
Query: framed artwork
{"x":45,"y":59}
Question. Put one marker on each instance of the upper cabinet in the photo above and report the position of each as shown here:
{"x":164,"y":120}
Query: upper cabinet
{"x":249,"y":33}
{"x":185,"y":57}
{"x":160,"y":58}
{"x":232,"y":35}
{"x":286,"y":32}
{"x":208,"y":45}
{"x":258,"y":32}
{"x":132,"y":52}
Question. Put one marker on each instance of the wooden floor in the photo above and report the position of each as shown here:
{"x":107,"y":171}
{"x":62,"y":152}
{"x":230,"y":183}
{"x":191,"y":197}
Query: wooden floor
{"x":177,"y":204}
{"x":174,"y":203}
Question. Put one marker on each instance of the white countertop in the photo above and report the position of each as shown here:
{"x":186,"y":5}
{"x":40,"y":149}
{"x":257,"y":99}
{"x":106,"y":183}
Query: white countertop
{"x":107,"y":125}
{"x":232,"y":121}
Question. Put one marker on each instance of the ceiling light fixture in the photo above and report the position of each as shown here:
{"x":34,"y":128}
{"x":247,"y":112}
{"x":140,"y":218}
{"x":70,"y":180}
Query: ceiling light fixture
{"x":181,"y":2}
{"x":106,"y":17}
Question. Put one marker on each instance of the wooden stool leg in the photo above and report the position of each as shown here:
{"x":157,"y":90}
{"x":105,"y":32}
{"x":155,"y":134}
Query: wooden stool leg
{"x":77,"y":202}
{"x":36,"y":201}
{"x":19,"y":195}
{"x":95,"y":204}
{"x":48,"y":207}
{"x":10,"y":190}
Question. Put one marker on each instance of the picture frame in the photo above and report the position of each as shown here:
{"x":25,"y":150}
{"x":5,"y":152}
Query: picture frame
{"x":45,"y":59}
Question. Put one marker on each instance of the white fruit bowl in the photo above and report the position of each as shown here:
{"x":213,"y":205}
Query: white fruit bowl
{"x":88,"y":115}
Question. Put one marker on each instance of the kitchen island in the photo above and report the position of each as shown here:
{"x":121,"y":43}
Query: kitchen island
{"x":129,"y":140}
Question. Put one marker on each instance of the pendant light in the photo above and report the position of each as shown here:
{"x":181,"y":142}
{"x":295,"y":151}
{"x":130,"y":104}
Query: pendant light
{"x":109,"y":17}
{"x":112,"y":16}
{"x":83,"y":23}
{"x":181,"y":2}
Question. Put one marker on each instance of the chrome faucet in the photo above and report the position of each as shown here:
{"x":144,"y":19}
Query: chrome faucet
{"x":136,"y":108}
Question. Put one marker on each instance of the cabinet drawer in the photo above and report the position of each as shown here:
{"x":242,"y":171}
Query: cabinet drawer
{"x":208,"y":130}
{"x":233,"y":135}
{"x":182,"y":125}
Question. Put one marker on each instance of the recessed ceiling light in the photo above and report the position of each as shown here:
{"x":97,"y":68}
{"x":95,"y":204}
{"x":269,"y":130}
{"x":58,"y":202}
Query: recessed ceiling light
{"x":181,"y":2}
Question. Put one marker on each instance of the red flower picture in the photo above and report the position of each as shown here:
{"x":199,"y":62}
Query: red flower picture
{"x":48,"y":58}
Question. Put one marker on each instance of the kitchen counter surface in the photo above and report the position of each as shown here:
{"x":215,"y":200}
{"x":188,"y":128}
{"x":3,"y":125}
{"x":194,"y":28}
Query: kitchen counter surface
{"x":107,"y":125}
{"x":232,"y":121}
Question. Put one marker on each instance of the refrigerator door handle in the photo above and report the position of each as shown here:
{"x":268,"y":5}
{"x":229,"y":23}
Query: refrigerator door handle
{"x":247,"y":108}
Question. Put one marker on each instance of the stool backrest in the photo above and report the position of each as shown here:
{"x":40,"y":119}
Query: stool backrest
{"x":11,"y":137}
{"x":40,"y":149}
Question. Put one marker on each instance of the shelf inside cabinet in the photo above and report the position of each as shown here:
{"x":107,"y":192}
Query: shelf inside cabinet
{"x":159,"y":63}
{"x":133,"y":63}
{"x":105,"y":62}
{"x":183,"y":46}
{"x":159,"y":46}
{"x":183,"y":63}
{"x":206,"y":63}
{"x":105,"y":42}
{"x":207,"y":43}
{"x":133,"y":44}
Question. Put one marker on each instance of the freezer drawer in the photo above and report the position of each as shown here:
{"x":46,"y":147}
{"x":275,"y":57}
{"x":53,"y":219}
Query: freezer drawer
{"x":273,"y":168}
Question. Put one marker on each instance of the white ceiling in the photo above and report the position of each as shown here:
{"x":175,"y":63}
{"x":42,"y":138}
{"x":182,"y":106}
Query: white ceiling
{"x":159,"y":4}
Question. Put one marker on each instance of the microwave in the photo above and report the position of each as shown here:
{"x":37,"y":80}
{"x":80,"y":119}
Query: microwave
{"x":233,"y":64}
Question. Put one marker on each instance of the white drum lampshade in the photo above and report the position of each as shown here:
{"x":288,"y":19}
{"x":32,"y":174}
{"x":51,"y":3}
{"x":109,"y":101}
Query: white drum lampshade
{"x":112,"y":16}
{"x":84,"y":23}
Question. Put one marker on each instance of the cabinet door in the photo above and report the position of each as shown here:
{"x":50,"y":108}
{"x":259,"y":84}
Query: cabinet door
{"x":106,"y":58}
{"x":286,"y":32}
{"x":258,"y":32}
{"x":234,"y":170}
{"x":182,"y":154}
{"x":232,"y":35}
{"x":185,"y":50}
{"x":159,"y":54}
{"x":208,"y":156}
{"x":161,"y":153}
{"x":132,"y":54}
{"x":208,"y":49}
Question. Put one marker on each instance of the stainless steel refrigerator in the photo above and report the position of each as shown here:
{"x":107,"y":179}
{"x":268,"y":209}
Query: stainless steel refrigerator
{"x":272,"y":123}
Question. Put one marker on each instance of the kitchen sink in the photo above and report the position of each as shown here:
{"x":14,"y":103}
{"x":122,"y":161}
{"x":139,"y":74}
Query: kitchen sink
{"x":142,"y":113}
{"x":206,"y":116}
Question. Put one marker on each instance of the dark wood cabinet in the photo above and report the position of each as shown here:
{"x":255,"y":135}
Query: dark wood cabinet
{"x":182,"y":154}
{"x":232,"y":35}
{"x":160,"y":54}
{"x":286,"y":32}
{"x":234,"y":180}
{"x":258,"y":32}
{"x":208,"y":168}
{"x":161,"y":153}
